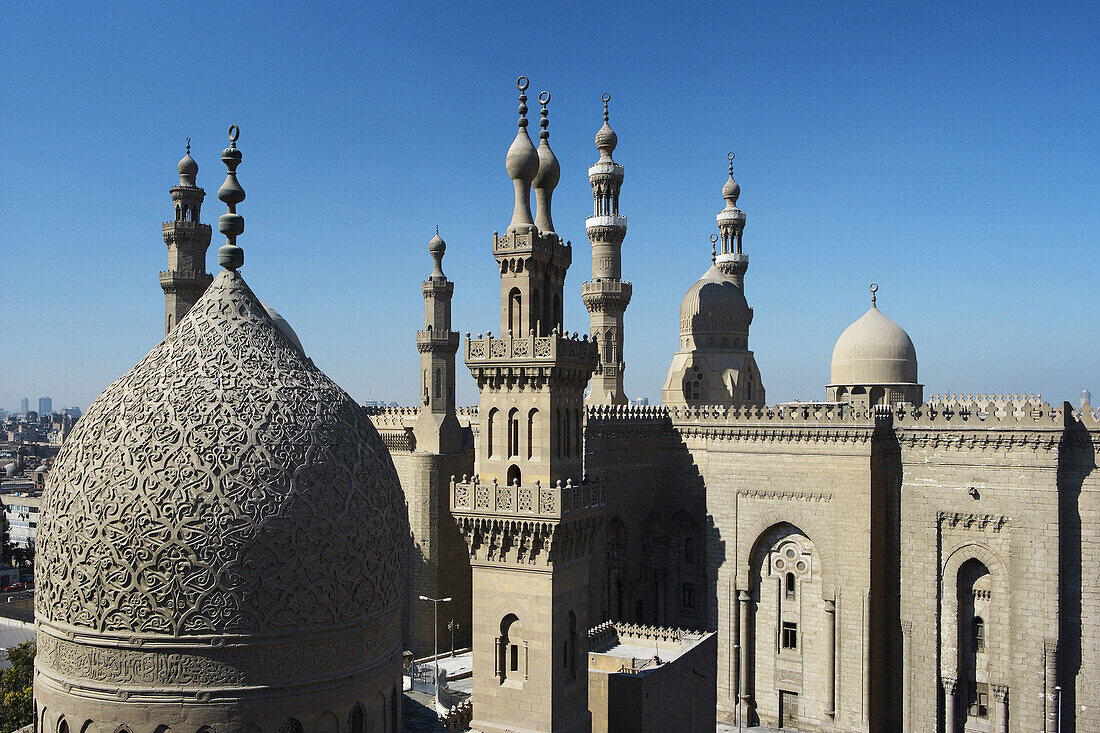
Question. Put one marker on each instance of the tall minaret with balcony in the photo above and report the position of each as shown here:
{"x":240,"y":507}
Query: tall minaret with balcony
{"x":606,"y":295}
{"x":186,"y":278}
{"x":528,"y":514}
{"x":437,"y":429}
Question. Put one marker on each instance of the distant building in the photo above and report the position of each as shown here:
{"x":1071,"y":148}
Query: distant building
{"x":25,"y":405}
{"x":73,"y":412}
{"x":45,"y":405}
{"x":21,"y":510}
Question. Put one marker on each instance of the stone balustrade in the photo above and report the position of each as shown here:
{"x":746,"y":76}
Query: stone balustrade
{"x":530,"y":348}
{"x":471,"y":495}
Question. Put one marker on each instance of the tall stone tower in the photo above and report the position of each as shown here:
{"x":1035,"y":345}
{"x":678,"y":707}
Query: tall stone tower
{"x":186,"y":278}
{"x":528,"y":514}
{"x":731,"y":226}
{"x":606,"y":295}
{"x":437,"y":429}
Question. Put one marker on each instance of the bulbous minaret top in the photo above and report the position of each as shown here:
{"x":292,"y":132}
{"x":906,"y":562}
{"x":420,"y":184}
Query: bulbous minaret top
{"x":606,"y":139}
{"x":522,"y":163}
{"x":231,"y":224}
{"x":436,"y":248}
{"x":549,"y":171}
{"x":188,"y":168}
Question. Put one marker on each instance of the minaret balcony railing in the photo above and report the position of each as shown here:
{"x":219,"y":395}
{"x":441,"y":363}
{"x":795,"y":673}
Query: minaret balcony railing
{"x":738,"y":257}
{"x":532,"y":242}
{"x":437,"y":341}
{"x":593,"y":222}
{"x":183,"y":276}
{"x":471,"y":496}
{"x":606,"y":286}
{"x":604,"y":169}
{"x":735,"y":215}
{"x":553,"y":348}
{"x":198,"y":226}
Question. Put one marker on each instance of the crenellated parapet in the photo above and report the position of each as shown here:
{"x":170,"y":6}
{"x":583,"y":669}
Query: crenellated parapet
{"x":601,"y":295}
{"x":977,"y":426}
{"x":983,"y":400}
{"x":392,"y":417}
{"x":612,"y":631}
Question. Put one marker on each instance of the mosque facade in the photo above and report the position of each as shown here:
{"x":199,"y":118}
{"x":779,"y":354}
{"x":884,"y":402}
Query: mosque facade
{"x":874,"y":561}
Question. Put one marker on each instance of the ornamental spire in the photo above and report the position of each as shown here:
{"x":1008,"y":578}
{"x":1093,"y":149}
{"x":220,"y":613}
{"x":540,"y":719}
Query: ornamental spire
{"x":731,"y":225}
{"x":874,"y":298}
{"x":606,"y":139}
{"x":231,"y":224}
{"x":549,"y":171}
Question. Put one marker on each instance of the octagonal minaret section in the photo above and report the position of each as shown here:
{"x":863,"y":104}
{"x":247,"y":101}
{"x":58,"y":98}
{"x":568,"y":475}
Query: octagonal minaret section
{"x":606,"y":295}
{"x":186,"y":278}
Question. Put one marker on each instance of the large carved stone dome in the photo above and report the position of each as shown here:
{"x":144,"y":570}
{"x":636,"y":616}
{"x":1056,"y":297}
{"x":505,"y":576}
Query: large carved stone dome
{"x":219,"y":538}
{"x":714,"y":305}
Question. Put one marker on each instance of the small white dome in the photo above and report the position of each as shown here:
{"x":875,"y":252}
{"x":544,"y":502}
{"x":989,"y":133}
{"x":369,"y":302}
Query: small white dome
{"x":874,"y":350}
{"x":283,"y":326}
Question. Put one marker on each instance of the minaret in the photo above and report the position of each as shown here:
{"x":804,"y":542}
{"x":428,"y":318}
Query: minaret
{"x":437,"y":429}
{"x":186,"y":278}
{"x":528,"y":514}
{"x":606,"y":295}
{"x":731,"y":225}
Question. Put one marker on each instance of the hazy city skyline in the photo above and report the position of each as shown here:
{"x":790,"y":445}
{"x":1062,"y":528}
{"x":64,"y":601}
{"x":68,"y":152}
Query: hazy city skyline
{"x":950,"y":156}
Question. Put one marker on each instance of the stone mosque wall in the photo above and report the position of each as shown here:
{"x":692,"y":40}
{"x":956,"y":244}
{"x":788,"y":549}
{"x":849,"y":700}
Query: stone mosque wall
{"x":879,"y":506}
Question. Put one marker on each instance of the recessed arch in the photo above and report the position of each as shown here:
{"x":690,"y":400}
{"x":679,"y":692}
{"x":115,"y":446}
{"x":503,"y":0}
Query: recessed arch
{"x":327,"y":723}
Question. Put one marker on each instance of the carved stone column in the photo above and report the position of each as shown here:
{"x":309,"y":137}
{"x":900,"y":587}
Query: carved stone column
{"x":1000,"y":694}
{"x":830,"y":657}
{"x":1050,"y":660}
{"x":743,"y":617}
{"x":949,"y":688}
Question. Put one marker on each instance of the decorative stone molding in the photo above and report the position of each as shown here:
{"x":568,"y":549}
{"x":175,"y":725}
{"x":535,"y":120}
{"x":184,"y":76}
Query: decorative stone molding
{"x":1000,"y":693}
{"x":950,"y":685}
{"x":785,"y":495}
{"x":962,"y":520}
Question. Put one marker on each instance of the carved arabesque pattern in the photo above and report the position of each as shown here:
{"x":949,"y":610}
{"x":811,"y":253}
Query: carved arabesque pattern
{"x":224,"y":484}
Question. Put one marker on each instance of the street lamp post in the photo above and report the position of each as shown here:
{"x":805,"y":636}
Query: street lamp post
{"x":435,"y":631}
{"x":452,"y":626}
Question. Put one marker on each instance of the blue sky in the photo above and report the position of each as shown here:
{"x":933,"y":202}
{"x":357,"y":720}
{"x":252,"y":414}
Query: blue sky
{"x":948,"y":152}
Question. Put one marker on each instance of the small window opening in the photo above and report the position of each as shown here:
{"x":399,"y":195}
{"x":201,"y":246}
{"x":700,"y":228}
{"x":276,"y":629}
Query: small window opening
{"x":790,"y":635}
{"x":790,"y":586}
{"x":979,"y":634}
{"x":689,"y":550}
{"x":689,"y":595}
{"x":979,"y":700}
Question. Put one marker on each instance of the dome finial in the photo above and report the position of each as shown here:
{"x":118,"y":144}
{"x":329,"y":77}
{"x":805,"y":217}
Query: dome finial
{"x":713,"y":248}
{"x":189,"y":145}
{"x":874,"y":289}
{"x":521,"y":84}
{"x":606,"y":139}
{"x":731,"y":191}
{"x":544,"y":121}
{"x":549,"y":171}
{"x":231,"y":224}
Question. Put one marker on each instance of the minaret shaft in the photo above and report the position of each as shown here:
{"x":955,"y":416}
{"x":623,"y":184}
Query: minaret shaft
{"x":437,"y":429}
{"x":606,"y":295}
